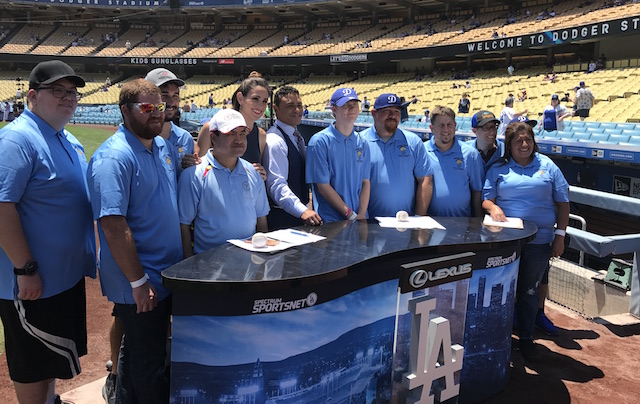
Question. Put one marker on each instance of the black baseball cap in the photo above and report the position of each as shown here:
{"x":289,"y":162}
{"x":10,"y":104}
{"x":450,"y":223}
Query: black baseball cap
{"x":51,"y":71}
{"x":483,"y":117}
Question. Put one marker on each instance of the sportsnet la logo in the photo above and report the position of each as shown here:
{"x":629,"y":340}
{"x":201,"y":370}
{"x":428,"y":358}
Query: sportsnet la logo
{"x":500,"y":261}
{"x":278,"y":304}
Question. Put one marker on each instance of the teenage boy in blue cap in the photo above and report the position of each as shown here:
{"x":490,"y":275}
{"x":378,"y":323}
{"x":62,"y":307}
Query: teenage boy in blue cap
{"x":338,"y":165}
{"x":401,"y":178}
{"x":485,"y":125}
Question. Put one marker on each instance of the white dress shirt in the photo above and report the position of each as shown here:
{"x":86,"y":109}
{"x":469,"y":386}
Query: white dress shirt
{"x":276,"y":163}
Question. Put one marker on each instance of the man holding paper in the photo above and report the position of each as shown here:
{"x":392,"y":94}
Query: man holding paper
{"x":401,"y":178}
{"x":224,"y":196}
{"x":530,"y":186}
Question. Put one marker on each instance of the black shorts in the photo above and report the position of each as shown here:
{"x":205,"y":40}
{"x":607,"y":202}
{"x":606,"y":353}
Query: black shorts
{"x":44,"y":338}
{"x":582,"y":113}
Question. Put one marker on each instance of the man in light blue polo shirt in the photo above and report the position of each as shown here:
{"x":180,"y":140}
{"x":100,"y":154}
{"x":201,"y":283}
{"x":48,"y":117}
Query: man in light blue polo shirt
{"x":180,"y":139}
{"x":457,"y":169}
{"x":132,"y":180}
{"x":485,"y":125}
{"x":47,"y":242}
{"x":338,"y":163}
{"x":224,"y":196}
{"x":401,"y":178}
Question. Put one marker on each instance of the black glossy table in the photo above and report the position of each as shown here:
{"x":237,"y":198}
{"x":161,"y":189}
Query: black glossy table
{"x":339,"y":319}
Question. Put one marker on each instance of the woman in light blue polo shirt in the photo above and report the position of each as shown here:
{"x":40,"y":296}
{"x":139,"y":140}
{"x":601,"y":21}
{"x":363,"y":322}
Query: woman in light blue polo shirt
{"x":530,"y":186}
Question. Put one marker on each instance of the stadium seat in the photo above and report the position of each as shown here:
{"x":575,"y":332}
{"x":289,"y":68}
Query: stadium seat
{"x":591,"y":129}
{"x":634,"y":140}
{"x":575,"y":124}
{"x":626,"y":126}
{"x":599,"y":137}
{"x":631,"y":132}
{"x":609,"y":125}
{"x":592,"y":125}
{"x":615,"y":138}
{"x":613,"y":131}
{"x":581,"y":136}
{"x":549,"y":134}
{"x":565,"y":135}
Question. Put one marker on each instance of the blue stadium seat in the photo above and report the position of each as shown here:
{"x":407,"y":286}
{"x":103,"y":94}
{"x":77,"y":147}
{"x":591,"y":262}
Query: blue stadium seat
{"x":631,"y":132}
{"x":592,"y":129}
{"x":581,"y":136}
{"x":634,"y":140}
{"x":618,"y":138}
{"x":599,"y":137}
{"x":626,"y":126}
{"x":575,"y":124}
{"x":549,"y":134}
{"x":608,"y":125}
{"x":592,"y":124}
{"x":565,"y":135}
{"x":465,"y":125}
{"x":613,"y":131}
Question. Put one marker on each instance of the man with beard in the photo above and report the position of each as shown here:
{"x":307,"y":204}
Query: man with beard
{"x":47,"y":242}
{"x":458,"y":174}
{"x":132,"y":182}
{"x":284,"y":160}
{"x":485,"y":125}
{"x":180,"y":139}
{"x":401,"y":178}
{"x":338,"y":165}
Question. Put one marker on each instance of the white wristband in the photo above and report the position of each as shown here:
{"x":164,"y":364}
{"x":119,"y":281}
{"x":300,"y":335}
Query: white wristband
{"x":560,"y":232}
{"x":353,"y":216}
{"x":139,"y":282}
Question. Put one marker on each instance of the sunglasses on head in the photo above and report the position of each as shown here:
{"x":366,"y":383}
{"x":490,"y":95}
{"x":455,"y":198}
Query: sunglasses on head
{"x":147,"y":107}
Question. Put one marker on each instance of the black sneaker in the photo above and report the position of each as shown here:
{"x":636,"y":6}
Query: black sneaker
{"x":58,"y":400}
{"x":109,"y":389}
{"x":528,"y":350}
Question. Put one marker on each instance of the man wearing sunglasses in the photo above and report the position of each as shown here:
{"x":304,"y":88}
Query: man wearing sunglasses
{"x":485,"y":125}
{"x":180,"y":139}
{"x":132,"y":182}
{"x":47,"y":245}
{"x":223,"y":196}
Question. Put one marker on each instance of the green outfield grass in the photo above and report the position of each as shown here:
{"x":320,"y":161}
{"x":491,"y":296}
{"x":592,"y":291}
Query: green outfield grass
{"x":91,"y":138}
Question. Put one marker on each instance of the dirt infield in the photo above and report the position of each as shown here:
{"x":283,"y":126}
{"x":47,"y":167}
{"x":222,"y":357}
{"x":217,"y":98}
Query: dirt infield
{"x":586,"y":363}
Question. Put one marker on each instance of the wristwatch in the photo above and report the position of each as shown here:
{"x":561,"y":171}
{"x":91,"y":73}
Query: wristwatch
{"x":30,"y":268}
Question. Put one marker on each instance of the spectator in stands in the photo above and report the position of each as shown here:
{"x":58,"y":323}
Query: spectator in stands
{"x":554,"y":115}
{"x":135,"y":246}
{"x":457,"y":169}
{"x":366,"y":104}
{"x":284,"y":160}
{"x":592,"y":67}
{"x":530,"y":186}
{"x":44,"y":202}
{"x":426,"y":114}
{"x":523,"y":95}
{"x":508,"y":113}
{"x":341,"y":187}
{"x":565,"y":98}
{"x":127,"y":44}
{"x":584,"y":101}
{"x":211,"y":103}
{"x":305,"y":112}
{"x":107,"y":82}
{"x":485,"y":125}
{"x":186,"y":107}
{"x":510,"y":70}
{"x":194,"y":107}
{"x":401,"y":178}
{"x":464,"y":104}
{"x":404,"y":112}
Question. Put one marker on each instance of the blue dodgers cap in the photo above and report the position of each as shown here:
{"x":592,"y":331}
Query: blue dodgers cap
{"x":582,"y":84}
{"x":387,"y":100}
{"x":555,"y":97}
{"x":524,"y":119}
{"x":483,"y":117}
{"x":343,"y":95}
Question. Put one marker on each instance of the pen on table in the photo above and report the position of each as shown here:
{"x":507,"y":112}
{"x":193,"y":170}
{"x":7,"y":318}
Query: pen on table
{"x":299,"y":233}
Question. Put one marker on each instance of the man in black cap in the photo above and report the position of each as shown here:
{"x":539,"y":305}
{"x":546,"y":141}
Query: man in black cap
{"x":47,"y":243}
{"x":485,"y":125}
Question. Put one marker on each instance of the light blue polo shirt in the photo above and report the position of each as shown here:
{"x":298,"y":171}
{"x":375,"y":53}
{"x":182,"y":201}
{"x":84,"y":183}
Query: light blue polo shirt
{"x":222,"y":204}
{"x":44,"y":174}
{"x":456,"y":173}
{"x":529,"y":192}
{"x":495,"y":158}
{"x":343,"y":162}
{"x":182,"y":142}
{"x":126,"y":179}
{"x":395,"y":165}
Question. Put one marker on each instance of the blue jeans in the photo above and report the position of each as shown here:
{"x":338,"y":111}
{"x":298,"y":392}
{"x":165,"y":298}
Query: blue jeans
{"x":143,"y":369}
{"x":534,"y":261}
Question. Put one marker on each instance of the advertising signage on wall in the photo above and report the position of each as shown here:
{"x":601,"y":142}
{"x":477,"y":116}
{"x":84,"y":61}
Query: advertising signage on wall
{"x":243,"y":3}
{"x":104,"y":3}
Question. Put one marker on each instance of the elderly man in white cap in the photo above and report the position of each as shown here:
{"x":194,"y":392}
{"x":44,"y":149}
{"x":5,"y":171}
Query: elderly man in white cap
{"x":223,"y":196}
{"x":180,"y":139}
{"x":338,"y":163}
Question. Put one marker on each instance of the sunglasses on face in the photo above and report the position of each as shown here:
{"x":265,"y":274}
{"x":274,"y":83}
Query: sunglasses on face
{"x":146,"y":107}
{"x":61,"y":93}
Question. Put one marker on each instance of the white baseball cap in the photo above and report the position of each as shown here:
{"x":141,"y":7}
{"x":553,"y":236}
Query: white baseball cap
{"x":226,"y":120}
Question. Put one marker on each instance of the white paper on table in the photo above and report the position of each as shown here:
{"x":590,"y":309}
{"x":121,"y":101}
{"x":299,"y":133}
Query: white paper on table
{"x":511,"y":223}
{"x":414,"y":222}
{"x":287,"y":238}
{"x":295,"y":237}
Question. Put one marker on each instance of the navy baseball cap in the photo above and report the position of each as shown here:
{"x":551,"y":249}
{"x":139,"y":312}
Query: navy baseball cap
{"x":387,"y":100}
{"x":555,"y":97}
{"x":343,"y":95}
{"x":582,"y":84}
{"x":51,"y":71}
{"x":483,"y":117}
{"x":524,"y":119}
